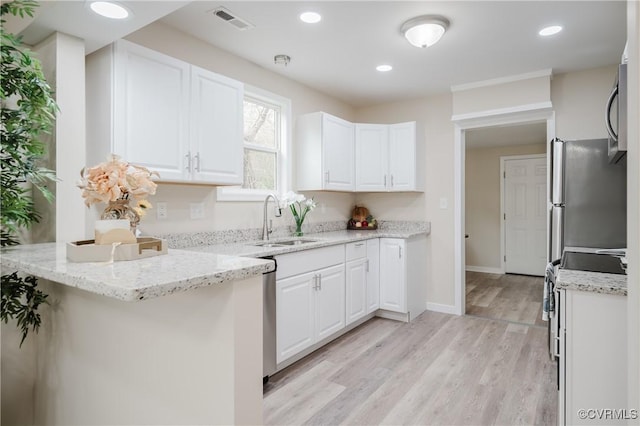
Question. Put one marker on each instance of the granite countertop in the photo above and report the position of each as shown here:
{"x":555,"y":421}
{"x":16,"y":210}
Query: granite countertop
{"x":196,"y":264}
{"x":177,"y":271}
{"x":595,"y":282}
{"x":321,"y":239}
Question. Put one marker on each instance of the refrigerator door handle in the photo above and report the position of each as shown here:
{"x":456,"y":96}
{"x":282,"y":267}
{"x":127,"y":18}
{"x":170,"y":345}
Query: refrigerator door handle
{"x":607,"y":117}
{"x":556,"y":237}
{"x":557,"y":172}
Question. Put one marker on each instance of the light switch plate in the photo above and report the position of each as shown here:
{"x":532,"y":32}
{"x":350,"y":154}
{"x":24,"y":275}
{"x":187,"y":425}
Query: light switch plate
{"x":161,"y":210}
{"x":197,"y":210}
{"x":444,"y":203}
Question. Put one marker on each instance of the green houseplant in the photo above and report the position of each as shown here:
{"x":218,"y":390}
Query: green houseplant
{"x":28,"y":111}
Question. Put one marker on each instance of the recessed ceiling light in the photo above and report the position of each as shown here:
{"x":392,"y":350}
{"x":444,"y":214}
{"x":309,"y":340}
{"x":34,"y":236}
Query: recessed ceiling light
{"x":310,"y":17}
{"x":109,"y":9}
{"x":384,"y":68}
{"x":551,"y":30}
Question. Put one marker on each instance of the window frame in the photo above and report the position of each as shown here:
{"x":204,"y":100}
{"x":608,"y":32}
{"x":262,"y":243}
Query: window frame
{"x":283,"y":166}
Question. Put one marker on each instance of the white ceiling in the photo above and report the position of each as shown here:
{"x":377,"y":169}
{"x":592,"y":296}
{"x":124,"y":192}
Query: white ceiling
{"x":486,"y":39}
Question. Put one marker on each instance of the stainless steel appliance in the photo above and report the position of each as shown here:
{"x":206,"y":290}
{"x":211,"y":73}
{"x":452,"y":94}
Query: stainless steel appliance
{"x":588,"y":197}
{"x":616,"y":116}
{"x":269,"y":323}
{"x":589,"y":211}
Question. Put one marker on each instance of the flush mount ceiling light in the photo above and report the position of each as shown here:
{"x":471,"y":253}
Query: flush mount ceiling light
{"x":424,"y":31}
{"x":109,"y":9}
{"x":384,"y":68}
{"x":310,"y":17}
{"x":282,"y":60}
{"x":551,"y":30}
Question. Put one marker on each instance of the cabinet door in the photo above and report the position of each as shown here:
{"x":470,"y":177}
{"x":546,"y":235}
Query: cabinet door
{"x":295,"y":315}
{"x":216,"y":128}
{"x":392,"y":275}
{"x":373,"y":275}
{"x":151,"y":110}
{"x":338,"y":148}
{"x":402,"y":156}
{"x":372,"y":161}
{"x":330,"y":306}
{"x":356,"y":290}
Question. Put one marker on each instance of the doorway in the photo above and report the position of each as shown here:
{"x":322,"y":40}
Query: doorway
{"x":464,"y":127}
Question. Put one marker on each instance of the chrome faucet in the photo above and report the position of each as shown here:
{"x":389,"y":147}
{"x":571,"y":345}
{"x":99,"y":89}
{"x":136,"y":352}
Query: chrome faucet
{"x":266,"y":231}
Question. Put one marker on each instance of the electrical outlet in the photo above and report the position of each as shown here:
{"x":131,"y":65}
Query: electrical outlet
{"x":161,"y":210}
{"x":197,"y":210}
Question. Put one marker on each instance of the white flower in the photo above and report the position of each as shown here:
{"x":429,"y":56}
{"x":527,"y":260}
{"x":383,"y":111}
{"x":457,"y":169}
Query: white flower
{"x":291,"y":197}
{"x":310,"y":204}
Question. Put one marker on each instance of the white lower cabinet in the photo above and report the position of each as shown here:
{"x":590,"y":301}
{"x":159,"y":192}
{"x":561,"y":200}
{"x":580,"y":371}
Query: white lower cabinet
{"x":356,"y":281}
{"x":593,"y":358}
{"x":373,"y":275}
{"x":310,"y":298}
{"x":403,"y":276}
{"x":392,"y":275}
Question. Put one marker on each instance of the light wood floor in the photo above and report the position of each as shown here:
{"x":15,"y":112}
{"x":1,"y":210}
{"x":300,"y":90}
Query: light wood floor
{"x":516,"y":298}
{"x":438,"y":370}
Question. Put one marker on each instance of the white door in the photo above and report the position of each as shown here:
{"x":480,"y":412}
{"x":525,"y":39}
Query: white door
{"x":330,"y":306}
{"x":216,"y":128}
{"x":373,"y":275}
{"x":356,"y":286}
{"x":151,"y":110}
{"x":295,"y":315}
{"x":525,"y":215}
{"x":402,"y":157}
{"x":338,"y":150}
{"x":372,"y":160}
{"x":392,"y":275}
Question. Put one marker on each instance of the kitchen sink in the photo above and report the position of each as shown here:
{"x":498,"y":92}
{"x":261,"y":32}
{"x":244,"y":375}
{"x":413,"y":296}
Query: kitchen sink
{"x":592,"y":262}
{"x":283,"y":243}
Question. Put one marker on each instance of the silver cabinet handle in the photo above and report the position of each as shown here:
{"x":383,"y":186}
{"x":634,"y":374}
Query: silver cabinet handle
{"x":320,"y":282}
{"x":385,"y":181}
{"x":326,"y":176}
{"x":367,"y":263}
{"x":315,"y":282}
{"x":197,"y":166}
{"x":359,"y":244}
{"x":392,"y":181}
{"x":188,"y":156}
{"x":400,"y":252}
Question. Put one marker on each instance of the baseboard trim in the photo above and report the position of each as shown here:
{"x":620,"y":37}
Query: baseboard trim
{"x":445,"y":309}
{"x":484,"y":269}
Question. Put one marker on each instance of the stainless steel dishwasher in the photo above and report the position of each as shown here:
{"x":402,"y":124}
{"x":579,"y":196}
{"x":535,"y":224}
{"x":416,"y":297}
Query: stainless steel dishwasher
{"x":269,"y":322}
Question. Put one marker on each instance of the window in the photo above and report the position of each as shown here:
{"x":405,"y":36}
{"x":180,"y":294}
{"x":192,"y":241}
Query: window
{"x":266,"y":130}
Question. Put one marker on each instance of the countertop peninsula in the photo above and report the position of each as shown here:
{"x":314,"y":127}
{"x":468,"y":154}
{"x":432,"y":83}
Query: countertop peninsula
{"x":595,"y":282}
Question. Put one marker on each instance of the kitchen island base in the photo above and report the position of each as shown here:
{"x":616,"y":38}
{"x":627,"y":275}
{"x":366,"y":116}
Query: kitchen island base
{"x":186,"y":358}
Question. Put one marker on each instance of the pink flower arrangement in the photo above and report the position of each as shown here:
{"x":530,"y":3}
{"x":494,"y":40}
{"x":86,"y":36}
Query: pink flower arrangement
{"x":116,"y":179}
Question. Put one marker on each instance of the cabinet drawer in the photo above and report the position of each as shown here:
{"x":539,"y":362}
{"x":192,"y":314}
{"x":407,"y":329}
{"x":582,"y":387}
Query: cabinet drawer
{"x":309,"y":260}
{"x":356,"y":250}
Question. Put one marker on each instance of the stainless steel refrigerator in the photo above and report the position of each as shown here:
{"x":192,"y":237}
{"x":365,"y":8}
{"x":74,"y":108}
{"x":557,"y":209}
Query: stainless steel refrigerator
{"x":588,"y":197}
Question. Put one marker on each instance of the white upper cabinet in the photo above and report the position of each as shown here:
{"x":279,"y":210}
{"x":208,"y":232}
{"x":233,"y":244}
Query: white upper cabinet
{"x":326,"y":149}
{"x":386,"y":157}
{"x":402,"y":157}
{"x":372,"y":159}
{"x":165,"y":114}
{"x":216,"y":128}
{"x":336,"y":155}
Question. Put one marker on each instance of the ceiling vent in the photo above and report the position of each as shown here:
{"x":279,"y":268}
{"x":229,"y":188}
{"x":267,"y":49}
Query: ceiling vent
{"x":228,"y":16}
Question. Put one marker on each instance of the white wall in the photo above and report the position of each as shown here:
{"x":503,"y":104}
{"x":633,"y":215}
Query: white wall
{"x":435,"y":134}
{"x":579,"y":99}
{"x":633,"y":206}
{"x":235,"y":215}
{"x":482,"y":201}
{"x":62,"y":58}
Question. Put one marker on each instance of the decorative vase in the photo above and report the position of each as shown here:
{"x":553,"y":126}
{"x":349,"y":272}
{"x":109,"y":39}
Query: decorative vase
{"x":120,"y":209}
{"x":298,"y":232}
